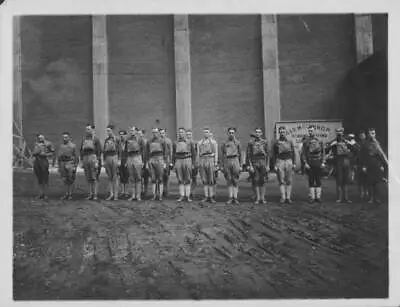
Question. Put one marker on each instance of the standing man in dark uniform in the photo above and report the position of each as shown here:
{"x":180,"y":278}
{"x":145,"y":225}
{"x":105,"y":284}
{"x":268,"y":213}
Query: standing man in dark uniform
{"x":231,"y":158}
{"x":284,"y":164}
{"x":158,"y":160}
{"x":313,"y":157}
{"x":112,"y":161}
{"x":360,"y":174}
{"x":90,"y":156}
{"x":372,"y":162}
{"x":43,"y":150}
{"x":208,"y":161}
{"x":123,"y":170}
{"x":247,"y":167}
{"x":341,"y":149}
{"x":258,"y":156}
{"x":67,"y":162}
{"x":146,"y":171}
{"x":189,"y":137}
{"x":135,"y":150}
{"x":184,"y":160}
{"x":167,"y":171}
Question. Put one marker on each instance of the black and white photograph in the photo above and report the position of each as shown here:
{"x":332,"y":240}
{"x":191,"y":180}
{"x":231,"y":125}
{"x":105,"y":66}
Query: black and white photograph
{"x":199,"y":156}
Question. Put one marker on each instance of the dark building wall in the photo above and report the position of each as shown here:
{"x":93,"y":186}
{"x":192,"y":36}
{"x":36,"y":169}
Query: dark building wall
{"x":226,"y":60}
{"x":141,"y":71}
{"x":313,"y":60}
{"x":56,"y":75}
{"x":380,"y":31}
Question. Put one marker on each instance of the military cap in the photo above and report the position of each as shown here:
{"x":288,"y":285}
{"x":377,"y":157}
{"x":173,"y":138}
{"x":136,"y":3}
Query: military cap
{"x":339,"y":130}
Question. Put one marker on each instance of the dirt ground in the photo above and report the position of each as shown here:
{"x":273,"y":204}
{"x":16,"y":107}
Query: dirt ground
{"x":152,"y":250}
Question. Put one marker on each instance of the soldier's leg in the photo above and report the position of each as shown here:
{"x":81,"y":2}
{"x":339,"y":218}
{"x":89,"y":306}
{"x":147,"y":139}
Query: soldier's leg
{"x":203,"y":177}
{"x":108,"y":167}
{"x":236,"y":176}
{"x":311,"y":183}
{"x":318,"y":184}
{"x":160,"y":170}
{"x":138,"y":177}
{"x":179,"y":177}
{"x":187,"y":169}
{"x":211,"y":180}
{"x":339,"y":180}
{"x":289,"y":180}
{"x":281,"y":179}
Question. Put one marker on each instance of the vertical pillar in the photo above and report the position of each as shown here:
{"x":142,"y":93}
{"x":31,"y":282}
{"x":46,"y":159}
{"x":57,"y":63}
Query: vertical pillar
{"x":17,"y":76}
{"x":364,"y":36}
{"x":182,"y":71}
{"x":271,"y":84}
{"x":100,"y":75}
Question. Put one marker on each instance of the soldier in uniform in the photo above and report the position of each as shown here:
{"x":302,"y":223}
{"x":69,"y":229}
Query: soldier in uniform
{"x":231,"y":156}
{"x":360,"y":174}
{"x":372,"y":163}
{"x":90,"y":156}
{"x":247,"y":168}
{"x":184,"y":160}
{"x":145,"y":171}
{"x":341,"y":149}
{"x":167,"y":171}
{"x":158,"y":159}
{"x":111,"y":157}
{"x":284,"y":164}
{"x":135,"y":150}
{"x":42,"y":151}
{"x":189,"y":136}
{"x":123,"y":170}
{"x":313,"y":157}
{"x":67,"y":162}
{"x":258,"y":156}
{"x":208,"y":162}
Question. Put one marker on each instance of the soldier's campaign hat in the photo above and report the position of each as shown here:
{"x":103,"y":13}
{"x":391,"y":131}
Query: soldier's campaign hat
{"x":352,"y":136}
{"x":339,"y":130}
{"x":252,"y":135}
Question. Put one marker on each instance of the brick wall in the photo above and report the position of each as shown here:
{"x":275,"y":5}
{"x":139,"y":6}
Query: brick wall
{"x":56,"y":75}
{"x":141,"y":71}
{"x":226,"y":74}
{"x":314,"y":63}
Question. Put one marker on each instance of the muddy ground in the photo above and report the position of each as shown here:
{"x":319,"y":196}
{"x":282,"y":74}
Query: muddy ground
{"x":152,"y":250}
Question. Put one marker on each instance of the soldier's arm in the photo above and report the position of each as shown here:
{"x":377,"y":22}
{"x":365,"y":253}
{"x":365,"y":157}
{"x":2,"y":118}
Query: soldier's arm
{"x":166,"y":155}
{"x":267,"y":153}
{"x":143,"y":151}
{"x":193,"y":152}
{"x":274,"y":154}
{"x":240,"y":153}
{"x":293,"y":156}
{"x":303,"y":153}
{"x":173,"y":153}
{"x":148,"y":150}
{"x":216,"y":156}
{"x":75,"y":154}
{"x":323,"y":153}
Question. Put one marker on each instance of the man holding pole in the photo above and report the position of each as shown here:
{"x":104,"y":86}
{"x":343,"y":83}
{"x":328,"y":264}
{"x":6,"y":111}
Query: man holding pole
{"x":67,"y":163}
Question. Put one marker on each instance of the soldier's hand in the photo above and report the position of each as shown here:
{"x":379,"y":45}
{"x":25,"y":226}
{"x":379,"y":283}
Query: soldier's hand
{"x":307,"y":166}
{"x":251,"y":169}
{"x":275,"y":168}
{"x":382,"y":169}
{"x":364,"y":169}
{"x":294,"y":166}
{"x":119,"y":163}
{"x":323,"y":165}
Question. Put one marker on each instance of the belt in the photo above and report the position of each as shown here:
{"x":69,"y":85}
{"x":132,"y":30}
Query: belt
{"x":133,"y":153}
{"x":231,"y":157}
{"x":65,"y":159}
{"x":184,"y":157}
{"x":207,"y":155}
{"x":110,"y":153}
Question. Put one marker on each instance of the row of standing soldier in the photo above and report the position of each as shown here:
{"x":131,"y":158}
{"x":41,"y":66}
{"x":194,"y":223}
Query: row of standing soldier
{"x":133,"y":159}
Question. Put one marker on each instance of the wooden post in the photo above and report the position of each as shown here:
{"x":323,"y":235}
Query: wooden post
{"x":182,"y":71}
{"x":100,"y":75}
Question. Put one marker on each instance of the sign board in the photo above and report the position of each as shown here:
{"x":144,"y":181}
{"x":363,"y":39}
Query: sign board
{"x":297,"y":130}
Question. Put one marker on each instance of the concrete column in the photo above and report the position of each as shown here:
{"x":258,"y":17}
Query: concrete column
{"x":364,"y":36}
{"x":271,"y":84}
{"x":100,"y":75}
{"x":182,"y":71}
{"x":17,"y":76}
